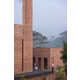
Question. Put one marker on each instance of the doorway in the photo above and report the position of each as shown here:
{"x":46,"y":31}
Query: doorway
{"x":45,"y":63}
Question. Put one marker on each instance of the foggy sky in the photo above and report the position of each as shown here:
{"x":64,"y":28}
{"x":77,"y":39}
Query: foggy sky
{"x":49,"y":16}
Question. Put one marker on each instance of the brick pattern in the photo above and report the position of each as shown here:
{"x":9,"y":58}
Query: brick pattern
{"x":27,"y":12}
{"x":42,"y":52}
{"x":23,"y":32}
{"x":17,"y":56}
{"x":28,"y":52}
{"x":18,"y":36}
{"x":56,"y":53}
{"x":52,"y":54}
{"x":18,"y":31}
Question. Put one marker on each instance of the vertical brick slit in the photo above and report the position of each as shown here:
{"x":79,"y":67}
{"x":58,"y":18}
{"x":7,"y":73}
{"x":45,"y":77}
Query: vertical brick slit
{"x":22,"y":55}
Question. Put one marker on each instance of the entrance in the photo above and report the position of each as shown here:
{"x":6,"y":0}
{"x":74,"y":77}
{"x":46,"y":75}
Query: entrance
{"x":39,"y":63}
{"x":45,"y":64}
{"x":34,"y":62}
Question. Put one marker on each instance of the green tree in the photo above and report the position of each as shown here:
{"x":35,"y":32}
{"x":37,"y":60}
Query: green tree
{"x":64,"y":53}
{"x":38,"y":38}
{"x":23,"y":78}
{"x":43,"y":77}
{"x":59,"y":73}
{"x":64,"y":57}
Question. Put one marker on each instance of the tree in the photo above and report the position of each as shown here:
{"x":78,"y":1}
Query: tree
{"x":43,"y":77}
{"x":23,"y":78}
{"x":64,"y":57}
{"x":64,"y":53}
{"x":38,"y":38}
{"x":59,"y":73}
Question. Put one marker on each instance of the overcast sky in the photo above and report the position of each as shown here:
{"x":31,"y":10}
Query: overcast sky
{"x":49,"y":16}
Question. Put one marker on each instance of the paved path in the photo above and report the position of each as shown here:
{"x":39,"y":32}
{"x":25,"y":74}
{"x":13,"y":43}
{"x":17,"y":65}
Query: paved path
{"x":32,"y":74}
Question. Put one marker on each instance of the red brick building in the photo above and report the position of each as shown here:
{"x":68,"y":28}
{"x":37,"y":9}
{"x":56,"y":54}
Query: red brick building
{"x":23,"y":56}
{"x":45,"y":57}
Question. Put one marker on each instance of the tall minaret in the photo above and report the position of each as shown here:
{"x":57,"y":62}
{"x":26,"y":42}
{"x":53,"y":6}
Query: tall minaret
{"x":28,"y":48}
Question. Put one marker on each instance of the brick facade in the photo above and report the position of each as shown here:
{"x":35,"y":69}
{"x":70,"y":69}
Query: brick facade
{"x":23,"y":48}
{"x":27,"y":12}
{"x":22,"y":63}
{"x":56,"y":54}
{"x":52,"y":54}
{"x":18,"y":36}
{"x":23,"y":57}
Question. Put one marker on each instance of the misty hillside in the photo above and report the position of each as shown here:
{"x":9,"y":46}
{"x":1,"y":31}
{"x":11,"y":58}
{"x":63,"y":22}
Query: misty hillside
{"x":45,"y":43}
{"x":38,"y":38}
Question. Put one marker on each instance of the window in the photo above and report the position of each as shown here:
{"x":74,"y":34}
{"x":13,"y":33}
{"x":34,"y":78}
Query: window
{"x":34,"y":62}
{"x":45,"y":63}
{"x":39,"y":62}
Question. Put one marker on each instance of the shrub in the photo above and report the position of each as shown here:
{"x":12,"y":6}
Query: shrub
{"x":59,"y":73}
{"x":23,"y":78}
{"x":43,"y":77}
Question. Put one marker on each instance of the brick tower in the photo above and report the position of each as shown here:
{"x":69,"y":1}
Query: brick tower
{"x":27,"y":20}
{"x":23,"y":54}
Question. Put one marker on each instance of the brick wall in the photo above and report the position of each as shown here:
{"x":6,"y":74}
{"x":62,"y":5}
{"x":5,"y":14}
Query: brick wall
{"x":45,"y":52}
{"x":27,"y":12}
{"x":28,"y":50}
{"x":52,"y":54}
{"x":18,"y":36}
{"x":23,"y":32}
{"x":56,"y":54}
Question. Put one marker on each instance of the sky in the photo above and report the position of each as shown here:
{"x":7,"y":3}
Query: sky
{"x":49,"y":16}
